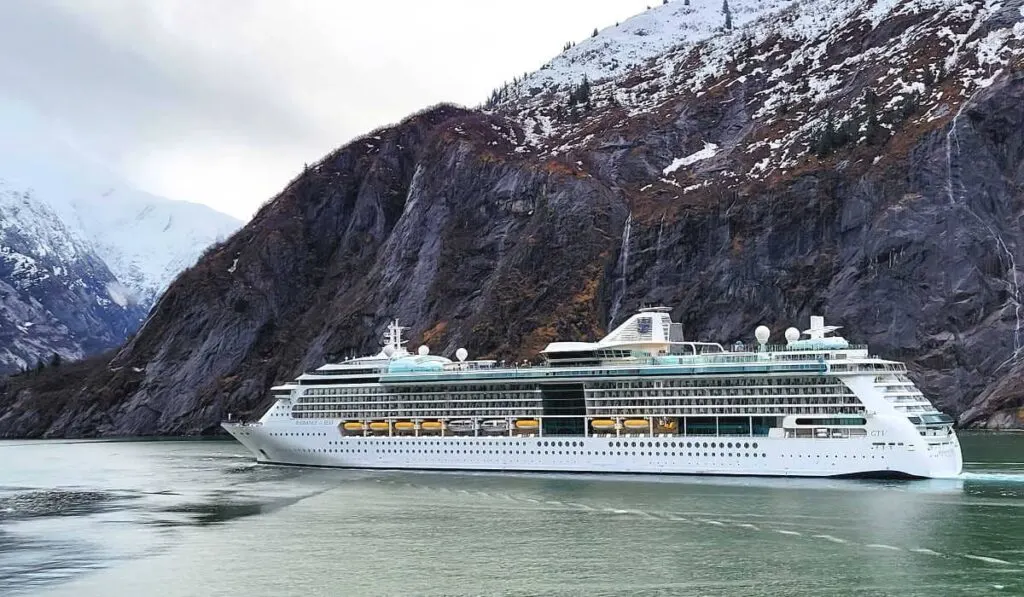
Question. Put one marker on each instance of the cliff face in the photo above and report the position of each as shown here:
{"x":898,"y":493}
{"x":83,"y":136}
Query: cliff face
{"x":423,"y":222}
{"x":861,"y":160}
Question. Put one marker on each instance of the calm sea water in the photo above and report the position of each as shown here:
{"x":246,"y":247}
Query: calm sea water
{"x":198,"y":518}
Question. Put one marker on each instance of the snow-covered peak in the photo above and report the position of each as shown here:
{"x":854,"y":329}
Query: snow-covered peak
{"x":29,"y":230}
{"x":145,"y":240}
{"x":617,"y":49}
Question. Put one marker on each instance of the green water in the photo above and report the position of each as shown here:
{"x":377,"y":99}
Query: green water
{"x":198,"y":518}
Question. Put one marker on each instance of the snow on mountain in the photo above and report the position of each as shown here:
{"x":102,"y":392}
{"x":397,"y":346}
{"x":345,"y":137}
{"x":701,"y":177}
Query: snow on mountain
{"x":145,"y":240}
{"x":83,"y":255}
{"x":56,"y":295}
{"x":615,"y":50}
{"x":799,"y":54}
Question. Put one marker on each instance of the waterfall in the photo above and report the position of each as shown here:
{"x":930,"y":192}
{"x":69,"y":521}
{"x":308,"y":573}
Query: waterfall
{"x":1013,"y":284}
{"x":620,"y":282}
{"x":657,"y":243}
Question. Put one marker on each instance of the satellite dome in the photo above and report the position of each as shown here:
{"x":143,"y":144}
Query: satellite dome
{"x":389,"y":351}
{"x":461,"y":354}
{"x":792,"y":335}
{"x":762,"y":333}
{"x":423,"y":350}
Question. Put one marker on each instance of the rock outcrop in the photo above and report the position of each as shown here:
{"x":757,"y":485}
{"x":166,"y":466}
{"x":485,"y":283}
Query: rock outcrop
{"x":858,"y":159}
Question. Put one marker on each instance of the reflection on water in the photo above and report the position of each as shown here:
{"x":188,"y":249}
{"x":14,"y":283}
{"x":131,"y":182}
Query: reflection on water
{"x":187,"y":518}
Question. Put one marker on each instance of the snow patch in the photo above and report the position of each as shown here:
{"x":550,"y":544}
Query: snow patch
{"x":710,"y":150}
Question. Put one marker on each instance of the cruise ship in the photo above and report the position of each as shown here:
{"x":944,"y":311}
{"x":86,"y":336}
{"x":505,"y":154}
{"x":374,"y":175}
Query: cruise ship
{"x":640,"y":400}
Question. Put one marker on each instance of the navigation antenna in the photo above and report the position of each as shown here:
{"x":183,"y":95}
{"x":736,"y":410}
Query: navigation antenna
{"x":393,"y":337}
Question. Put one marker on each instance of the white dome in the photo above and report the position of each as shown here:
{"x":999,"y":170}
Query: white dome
{"x":461,"y":354}
{"x":423,"y":350}
{"x":389,"y":351}
{"x":762,"y":333}
{"x":792,"y":335}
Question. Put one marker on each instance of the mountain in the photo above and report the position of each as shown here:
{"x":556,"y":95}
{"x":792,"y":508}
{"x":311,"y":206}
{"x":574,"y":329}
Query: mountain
{"x":133,"y":242}
{"x":57,"y":297}
{"x":145,"y":240}
{"x":860,"y":159}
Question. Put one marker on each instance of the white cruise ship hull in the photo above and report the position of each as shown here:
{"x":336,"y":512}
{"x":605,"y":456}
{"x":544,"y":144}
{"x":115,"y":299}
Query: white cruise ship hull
{"x":324,"y":446}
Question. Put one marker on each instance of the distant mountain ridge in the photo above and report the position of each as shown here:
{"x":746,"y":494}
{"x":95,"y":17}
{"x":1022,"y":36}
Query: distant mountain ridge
{"x":57,"y":296}
{"x":81,"y":272}
{"x":145,"y":240}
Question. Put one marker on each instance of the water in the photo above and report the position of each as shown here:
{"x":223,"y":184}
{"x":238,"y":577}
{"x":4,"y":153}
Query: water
{"x":198,"y":518}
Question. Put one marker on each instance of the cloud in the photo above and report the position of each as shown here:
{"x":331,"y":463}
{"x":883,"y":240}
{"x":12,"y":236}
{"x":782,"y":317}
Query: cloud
{"x":222,"y":101}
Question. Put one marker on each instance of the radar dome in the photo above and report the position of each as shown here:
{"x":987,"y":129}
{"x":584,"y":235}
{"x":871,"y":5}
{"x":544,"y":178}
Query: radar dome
{"x":461,"y":354}
{"x":389,"y":351}
{"x":792,"y":335}
{"x":423,"y":350}
{"x":762,"y":333}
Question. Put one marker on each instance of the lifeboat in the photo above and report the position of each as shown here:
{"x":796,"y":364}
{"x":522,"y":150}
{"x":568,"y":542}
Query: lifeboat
{"x":636,"y":424}
{"x":603,"y":424}
{"x":378,"y":426}
{"x":430,"y":426}
{"x":667,"y":425}
{"x":461,"y":426}
{"x":353,"y":426}
{"x":527,"y":424}
{"x":404,"y":426}
{"x":495,"y":426}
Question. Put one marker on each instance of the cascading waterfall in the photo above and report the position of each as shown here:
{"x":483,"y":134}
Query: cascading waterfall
{"x":620,"y":282}
{"x":657,"y":244}
{"x":1013,"y":284}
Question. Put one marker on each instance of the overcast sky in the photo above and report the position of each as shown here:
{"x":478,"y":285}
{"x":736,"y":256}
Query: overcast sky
{"x":222,"y":101}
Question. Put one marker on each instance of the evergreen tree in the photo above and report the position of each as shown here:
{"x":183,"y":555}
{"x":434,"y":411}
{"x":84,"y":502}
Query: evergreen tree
{"x":56,"y":361}
{"x":594,"y":34}
{"x":827,"y":138}
{"x":728,"y":15}
{"x":873,"y":134}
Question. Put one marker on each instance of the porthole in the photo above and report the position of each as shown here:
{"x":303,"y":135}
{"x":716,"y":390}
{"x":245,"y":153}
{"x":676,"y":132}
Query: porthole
{"x":746,"y":445}
{"x":634,"y":444}
{"x":705,"y":444}
{"x":729,"y":445}
{"x":755,"y":445}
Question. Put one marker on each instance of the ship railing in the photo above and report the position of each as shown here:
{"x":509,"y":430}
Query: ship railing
{"x":240,"y":421}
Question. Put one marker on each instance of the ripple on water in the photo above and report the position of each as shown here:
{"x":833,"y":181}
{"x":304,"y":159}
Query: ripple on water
{"x":56,"y":502}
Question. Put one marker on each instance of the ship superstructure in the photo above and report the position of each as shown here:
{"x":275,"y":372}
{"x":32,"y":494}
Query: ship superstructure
{"x":641,"y":400}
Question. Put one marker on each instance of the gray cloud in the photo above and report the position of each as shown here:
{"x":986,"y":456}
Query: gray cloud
{"x":221,"y":101}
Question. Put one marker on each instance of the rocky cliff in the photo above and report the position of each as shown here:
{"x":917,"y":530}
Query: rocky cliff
{"x":855,"y":158}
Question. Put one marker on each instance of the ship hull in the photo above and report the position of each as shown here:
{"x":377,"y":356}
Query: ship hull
{"x":325,"y":446}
